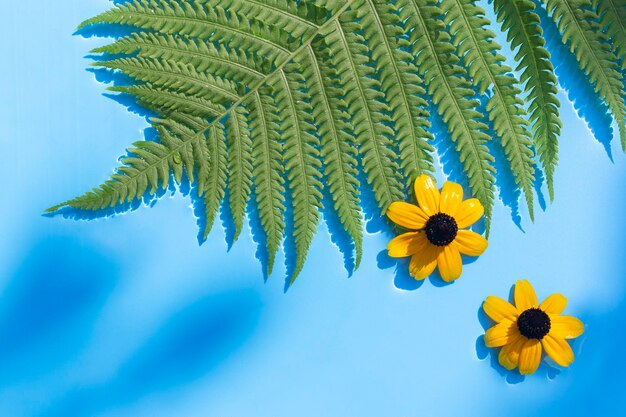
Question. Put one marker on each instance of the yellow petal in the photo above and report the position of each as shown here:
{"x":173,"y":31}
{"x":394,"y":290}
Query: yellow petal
{"x":499,"y":309}
{"x":525,"y":296}
{"x":470,"y":212}
{"x":423,"y":263}
{"x":567,"y":327}
{"x":554,"y":304}
{"x":470,"y":243}
{"x":450,"y":263}
{"x":501,"y":334}
{"x":427,"y":194}
{"x":509,"y":354}
{"x":406,"y":244}
{"x":407,"y":215}
{"x":558,"y":349}
{"x":529,"y":357}
{"x":451,"y":198}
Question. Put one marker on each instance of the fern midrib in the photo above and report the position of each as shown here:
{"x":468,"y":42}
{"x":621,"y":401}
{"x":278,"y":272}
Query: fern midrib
{"x":267,"y":161}
{"x":203,"y":83}
{"x":329,"y":114}
{"x":370,"y":121}
{"x":396,"y":70}
{"x":216,"y":57}
{"x":607,"y":82}
{"x":240,"y":158}
{"x":496,"y":86}
{"x":208,"y":23}
{"x":174,"y":97}
{"x":450,"y":90}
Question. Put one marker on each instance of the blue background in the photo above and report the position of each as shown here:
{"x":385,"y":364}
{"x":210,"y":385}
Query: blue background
{"x":129,"y":316}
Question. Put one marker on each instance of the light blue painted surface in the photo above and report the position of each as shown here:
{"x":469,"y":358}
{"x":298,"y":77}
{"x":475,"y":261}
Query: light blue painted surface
{"x":130,"y":317}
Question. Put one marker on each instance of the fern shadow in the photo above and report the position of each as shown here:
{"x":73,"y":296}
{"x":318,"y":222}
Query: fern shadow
{"x":572,"y":79}
{"x":188,"y":346}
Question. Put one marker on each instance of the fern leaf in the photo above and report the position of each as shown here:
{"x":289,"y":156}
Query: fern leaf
{"x":267,"y":174}
{"x":523,"y":29}
{"x":301,"y":159}
{"x":612,"y":15}
{"x":399,"y":82}
{"x":449,"y":88}
{"x":581,"y":31}
{"x":476,"y":45}
{"x":239,"y":65}
{"x":239,"y":165}
{"x":368,"y":112}
{"x":216,"y":179}
{"x":338,"y":148}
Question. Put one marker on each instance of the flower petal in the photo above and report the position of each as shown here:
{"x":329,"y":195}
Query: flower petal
{"x":427,"y":194}
{"x":499,"y":309}
{"x":529,"y":357}
{"x":470,"y":243}
{"x":407,"y":215}
{"x":567,"y":327}
{"x":451,"y":198}
{"x":554,"y":304}
{"x":509,"y":354}
{"x":525,"y":296}
{"x":450,"y":263}
{"x":423,"y":263}
{"x":406,"y":244}
{"x":501,"y":334}
{"x":558,"y":349}
{"x":469,"y":213}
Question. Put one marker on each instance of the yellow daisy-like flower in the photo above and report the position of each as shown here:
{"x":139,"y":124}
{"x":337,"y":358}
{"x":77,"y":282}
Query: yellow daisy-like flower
{"x":523,"y":330}
{"x":438,"y":238}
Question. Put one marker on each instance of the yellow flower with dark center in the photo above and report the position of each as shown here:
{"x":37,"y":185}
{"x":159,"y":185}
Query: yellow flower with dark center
{"x":437,"y":224}
{"x":523,"y":329}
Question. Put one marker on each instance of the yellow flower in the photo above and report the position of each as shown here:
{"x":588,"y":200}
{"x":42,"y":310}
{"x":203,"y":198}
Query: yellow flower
{"x":438,"y":237}
{"x":522,"y":330}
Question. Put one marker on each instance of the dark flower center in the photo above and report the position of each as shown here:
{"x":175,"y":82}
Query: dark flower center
{"x":533,"y":323}
{"x":441,"y":229}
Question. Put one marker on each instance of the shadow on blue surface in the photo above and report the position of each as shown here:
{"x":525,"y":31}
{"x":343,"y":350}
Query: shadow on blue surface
{"x":483,"y":352}
{"x":188,"y":346}
{"x":51,"y":301}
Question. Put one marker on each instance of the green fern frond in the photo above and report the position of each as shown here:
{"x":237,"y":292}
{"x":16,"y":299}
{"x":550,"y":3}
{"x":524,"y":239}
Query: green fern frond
{"x":269,"y":100}
{"x":476,"y":45}
{"x":580,"y":30}
{"x":239,"y":165}
{"x":521,"y":23}
{"x":612,"y":15}
{"x":450,"y":90}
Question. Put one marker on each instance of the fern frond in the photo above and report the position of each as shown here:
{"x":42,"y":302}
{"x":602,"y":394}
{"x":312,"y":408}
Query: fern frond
{"x":147,"y":167}
{"x":580,"y":30}
{"x":267,"y":174}
{"x":400,"y":84}
{"x":239,"y":165}
{"x":241,"y":66}
{"x":367,"y":109}
{"x":476,"y":45}
{"x":523,"y":29}
{"x":216,"y":178}
{"x":612,"y":15}
{"x":450,"y":91}
{"x":338,"y":148}
{"x":302,"y":160}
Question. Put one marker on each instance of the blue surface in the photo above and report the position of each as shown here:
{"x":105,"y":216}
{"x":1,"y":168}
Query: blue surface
{"x":129,"y":316}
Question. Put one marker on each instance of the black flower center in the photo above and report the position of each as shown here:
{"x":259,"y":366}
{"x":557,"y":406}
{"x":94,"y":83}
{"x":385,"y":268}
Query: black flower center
{"x":441,"y":229}
{"x":533,"y":323}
